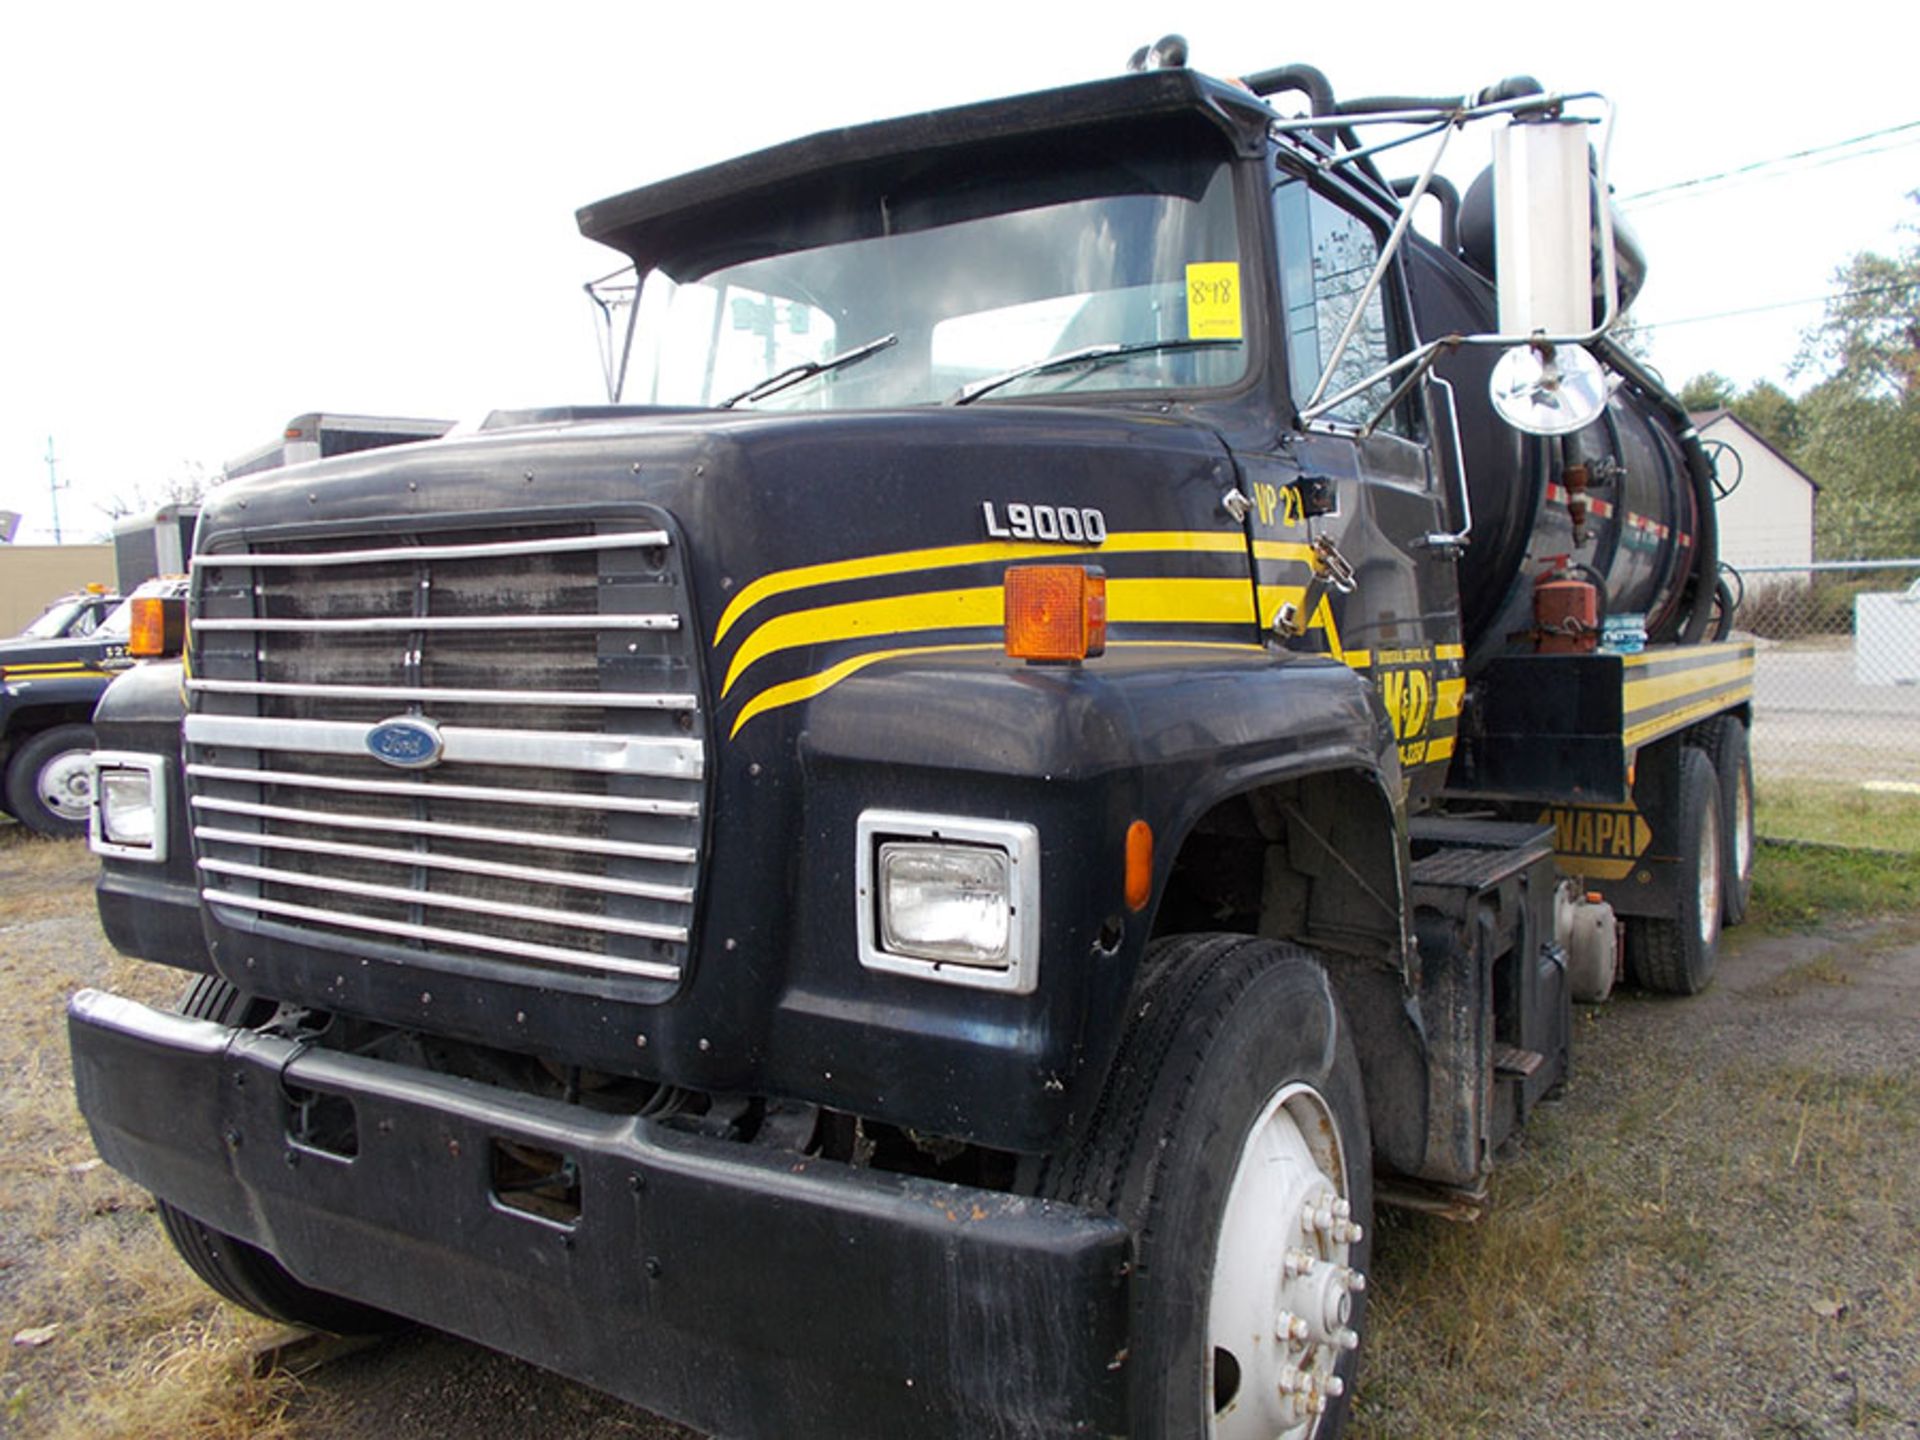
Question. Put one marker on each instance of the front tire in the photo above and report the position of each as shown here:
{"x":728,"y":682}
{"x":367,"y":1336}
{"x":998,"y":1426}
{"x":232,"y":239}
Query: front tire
{"x":50,"y":781}
{"x":233,"y":1269}
{"x":1232,"y":1139}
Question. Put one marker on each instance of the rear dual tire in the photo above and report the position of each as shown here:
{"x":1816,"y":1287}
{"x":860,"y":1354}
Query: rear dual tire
{"x":1726,"y":742}
{"x":1677,"y":954}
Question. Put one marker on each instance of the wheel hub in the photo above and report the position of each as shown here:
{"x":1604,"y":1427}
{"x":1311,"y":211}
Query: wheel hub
{"x":66,"y":784}
{"x":1282,"y":1305}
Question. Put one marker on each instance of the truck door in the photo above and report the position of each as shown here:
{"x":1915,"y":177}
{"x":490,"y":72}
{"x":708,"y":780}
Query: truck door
{"x":1400,"y":622}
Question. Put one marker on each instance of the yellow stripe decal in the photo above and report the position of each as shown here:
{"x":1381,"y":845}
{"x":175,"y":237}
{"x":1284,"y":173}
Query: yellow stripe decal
{"x":1144,"y":602}
{"x":1671,"y":720}
{"x":775,"y":696}
{"x":1717,"y":652}
{"x":1439,"y":749}
{"x":1446,"y":705}
{"x":1638,"y":695}
{"x":791,"y":692}
{"x":1451,"y":652}
{"x":901,"y":562}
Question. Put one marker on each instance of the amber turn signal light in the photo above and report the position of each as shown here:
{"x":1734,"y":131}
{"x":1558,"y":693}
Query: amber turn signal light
{"x":1139,"y":865}
{"x":1056,"y":612}
{"x":158,"y":627}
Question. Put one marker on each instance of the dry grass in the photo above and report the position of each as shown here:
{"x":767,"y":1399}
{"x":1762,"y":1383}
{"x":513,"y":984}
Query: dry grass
{"x":142,"y":1349}
{"x":1716,"y":1227}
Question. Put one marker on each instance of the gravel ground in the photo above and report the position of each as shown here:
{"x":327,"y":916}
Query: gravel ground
{"x":1713,"y":1232}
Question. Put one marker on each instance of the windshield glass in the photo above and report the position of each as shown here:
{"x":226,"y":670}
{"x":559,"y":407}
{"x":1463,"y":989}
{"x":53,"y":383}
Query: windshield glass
{"x":53,"y":624}
{"x":977,"y":278}
{"x":118,"y":625}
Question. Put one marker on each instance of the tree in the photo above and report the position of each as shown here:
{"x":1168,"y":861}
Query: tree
{"x":1772,"y":414}
{"x":1763,"y":407}
{"x":1709,"y":391}
{"x":1859,"y":426}
{"x":186,"y":486}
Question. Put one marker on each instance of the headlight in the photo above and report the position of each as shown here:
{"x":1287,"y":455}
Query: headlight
{"x":129,"y":819}
{"x":949,"y":899}
{"x":945,"y":902}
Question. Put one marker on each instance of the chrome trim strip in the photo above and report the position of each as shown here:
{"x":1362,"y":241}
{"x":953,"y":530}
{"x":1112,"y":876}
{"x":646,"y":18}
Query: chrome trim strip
{"x":622,"y":804}
{"x":433,"y":860}
{"x":629,"y":540}
{"x":587,"y":699}
{"x":543,"y":749}
{"x":579,"y":959}
{"x":450,"y":622}
{"x":405,"y":895}
{"x":581,"y":844}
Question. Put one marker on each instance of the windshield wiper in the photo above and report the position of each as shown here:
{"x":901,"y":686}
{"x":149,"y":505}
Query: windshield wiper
{"x":806,"y":370}
{"x":1089,"y":357}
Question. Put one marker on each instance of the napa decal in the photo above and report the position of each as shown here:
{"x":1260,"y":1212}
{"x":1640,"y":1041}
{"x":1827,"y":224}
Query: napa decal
{"x":1602,"y":842}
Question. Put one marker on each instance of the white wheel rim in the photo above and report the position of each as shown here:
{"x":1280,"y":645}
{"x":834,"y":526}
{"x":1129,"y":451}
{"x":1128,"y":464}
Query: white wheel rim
{"x":1742,"y":830}
{"x":1709,"y":874}
{"x":1279,"y":1310}
{"x":66,"y":784}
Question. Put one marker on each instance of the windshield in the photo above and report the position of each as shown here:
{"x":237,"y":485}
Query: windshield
{"x":53,"y":624}
{"x":985,"y":278}
{"x":118,"y":625}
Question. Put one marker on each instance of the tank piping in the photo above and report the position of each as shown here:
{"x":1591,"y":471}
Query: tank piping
{"x":1442,"y":189}
{"x":1308,"y":80}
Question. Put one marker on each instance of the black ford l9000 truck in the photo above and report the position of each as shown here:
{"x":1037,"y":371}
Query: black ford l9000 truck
{"x":1085,"y":716}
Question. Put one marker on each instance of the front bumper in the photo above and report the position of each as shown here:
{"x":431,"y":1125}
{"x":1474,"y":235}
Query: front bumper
{"x":746,"y":1292}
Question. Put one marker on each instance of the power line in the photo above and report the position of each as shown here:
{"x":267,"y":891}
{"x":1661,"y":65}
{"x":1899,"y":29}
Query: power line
{"x":1651,"y":325}
{"x":1757,"y":165}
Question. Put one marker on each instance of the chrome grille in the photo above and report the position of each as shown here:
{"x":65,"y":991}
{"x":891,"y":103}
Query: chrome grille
{"x":561,"y":827}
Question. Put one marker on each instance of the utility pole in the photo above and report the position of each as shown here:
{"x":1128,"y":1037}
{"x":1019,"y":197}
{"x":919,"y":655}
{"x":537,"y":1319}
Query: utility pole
{"x":54,"y":487}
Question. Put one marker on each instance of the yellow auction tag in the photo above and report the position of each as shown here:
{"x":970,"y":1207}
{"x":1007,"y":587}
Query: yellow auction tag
{"x":1213,"y":300}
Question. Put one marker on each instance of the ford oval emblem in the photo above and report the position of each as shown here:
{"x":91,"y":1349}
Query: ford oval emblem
{"x":408,"y":741}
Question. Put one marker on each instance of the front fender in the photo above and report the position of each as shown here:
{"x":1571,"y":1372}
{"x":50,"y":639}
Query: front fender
{"x":152,"y":912}
{"x":1155,"y":733}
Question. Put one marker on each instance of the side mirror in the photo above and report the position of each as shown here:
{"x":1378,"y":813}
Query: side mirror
{"x":1544,"y":389}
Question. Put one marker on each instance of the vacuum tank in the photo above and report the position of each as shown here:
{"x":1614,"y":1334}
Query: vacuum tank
{"x":1622,"y":505}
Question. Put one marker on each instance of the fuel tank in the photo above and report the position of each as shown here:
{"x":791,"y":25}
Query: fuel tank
{"x":1613,"y":505}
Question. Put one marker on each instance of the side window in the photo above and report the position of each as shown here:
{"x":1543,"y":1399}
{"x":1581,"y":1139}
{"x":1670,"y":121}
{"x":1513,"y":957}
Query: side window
{"x":1326,"y":255}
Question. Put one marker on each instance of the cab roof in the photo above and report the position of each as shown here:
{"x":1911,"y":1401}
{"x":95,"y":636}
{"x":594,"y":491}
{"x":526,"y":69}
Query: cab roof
{"x":674,"y":214}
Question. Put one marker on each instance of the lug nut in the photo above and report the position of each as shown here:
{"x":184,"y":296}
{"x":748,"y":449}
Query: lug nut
{"x":1290,"y":1380}
{"x":1342,"y":1210}
{"x":1347,"y":1338}
{"x":1298,"y":1262}
{"x":1334,"y":1386}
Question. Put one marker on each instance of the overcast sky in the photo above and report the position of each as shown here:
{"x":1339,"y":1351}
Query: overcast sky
{"x":217,"y":217}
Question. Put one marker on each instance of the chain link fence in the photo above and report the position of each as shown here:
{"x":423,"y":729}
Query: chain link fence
{"x":1836,"y":703}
